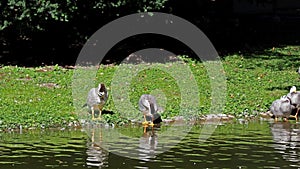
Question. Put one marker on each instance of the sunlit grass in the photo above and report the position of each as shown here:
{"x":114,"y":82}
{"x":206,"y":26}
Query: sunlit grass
{"x":42,"y":97}
{"x":35,"y":97}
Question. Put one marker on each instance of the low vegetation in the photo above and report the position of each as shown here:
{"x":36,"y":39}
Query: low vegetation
{"x":41,"y":97}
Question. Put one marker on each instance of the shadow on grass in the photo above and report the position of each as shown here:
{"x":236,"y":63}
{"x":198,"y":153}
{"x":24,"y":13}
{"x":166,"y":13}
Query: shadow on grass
{"x":108,"y":112}
{"x":284,"y":88}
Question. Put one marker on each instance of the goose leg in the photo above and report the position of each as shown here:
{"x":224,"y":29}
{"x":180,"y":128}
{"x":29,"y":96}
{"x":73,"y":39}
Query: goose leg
{"x":152,"y":124}
{"x":145,"y":121}
{"x":100,"y":113}
{"x":99,"y":116}
{"x":93,"y":113}
{"x":296,"y":115}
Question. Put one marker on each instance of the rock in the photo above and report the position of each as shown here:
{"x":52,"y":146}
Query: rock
{"x":267,"y":114}
{"x":179,"y":118}
{"x":168,"y":120}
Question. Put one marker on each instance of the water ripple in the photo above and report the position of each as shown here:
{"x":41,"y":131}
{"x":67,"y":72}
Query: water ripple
{"x":252,"y":145}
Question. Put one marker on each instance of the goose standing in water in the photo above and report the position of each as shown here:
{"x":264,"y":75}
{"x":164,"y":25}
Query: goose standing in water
{"x":294,"y":96}
{"x":148,"y":106}
{"x":282,"y":108}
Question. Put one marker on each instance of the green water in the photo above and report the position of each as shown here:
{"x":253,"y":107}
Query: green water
{"x":257,"y":144}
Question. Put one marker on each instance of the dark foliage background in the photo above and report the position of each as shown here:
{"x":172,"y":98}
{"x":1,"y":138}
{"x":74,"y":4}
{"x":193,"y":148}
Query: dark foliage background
{"x":53,"y":31}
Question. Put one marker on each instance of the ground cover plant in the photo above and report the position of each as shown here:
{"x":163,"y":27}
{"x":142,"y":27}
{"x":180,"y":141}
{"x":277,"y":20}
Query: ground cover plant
{"x":41,"y":97}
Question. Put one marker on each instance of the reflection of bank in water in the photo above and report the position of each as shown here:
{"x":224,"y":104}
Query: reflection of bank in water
{"x":287,"y":141}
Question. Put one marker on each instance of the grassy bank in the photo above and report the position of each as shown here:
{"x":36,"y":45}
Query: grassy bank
{"x":41,"y":97}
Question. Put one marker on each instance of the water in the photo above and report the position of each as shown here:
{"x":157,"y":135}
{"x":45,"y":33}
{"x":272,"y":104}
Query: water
{"x":257,"y":144}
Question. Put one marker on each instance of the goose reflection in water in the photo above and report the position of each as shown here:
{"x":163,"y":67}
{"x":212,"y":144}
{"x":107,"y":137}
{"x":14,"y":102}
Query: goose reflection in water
{"x":287,"y":141}
{"x":148,"y":144}
{"x":97,"y":156}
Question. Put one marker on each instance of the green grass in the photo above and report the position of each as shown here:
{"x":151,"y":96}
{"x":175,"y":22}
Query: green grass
{"x":42,"y":97}
{"x":28,"y":99}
